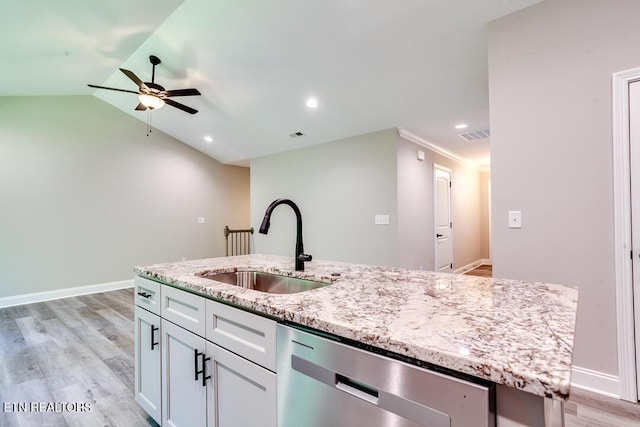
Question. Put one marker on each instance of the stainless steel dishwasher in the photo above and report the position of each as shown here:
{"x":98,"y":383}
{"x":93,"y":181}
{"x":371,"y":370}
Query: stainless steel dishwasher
{"x":325,"y":383}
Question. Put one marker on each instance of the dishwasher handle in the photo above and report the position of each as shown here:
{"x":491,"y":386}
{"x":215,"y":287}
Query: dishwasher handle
{"x":416,"y":412}
{"x":334,"y":379}
{"x":357,"y":389}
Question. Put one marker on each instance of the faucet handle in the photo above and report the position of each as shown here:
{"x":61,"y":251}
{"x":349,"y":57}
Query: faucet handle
{"x":305,"y":257}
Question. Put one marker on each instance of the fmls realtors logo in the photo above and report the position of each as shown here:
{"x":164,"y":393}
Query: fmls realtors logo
{"x":46,"y":407}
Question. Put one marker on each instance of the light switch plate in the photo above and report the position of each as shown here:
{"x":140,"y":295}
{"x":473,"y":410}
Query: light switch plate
{"x":515,"y":219}
{"x":381,"y":220}
{"x":200,"y":220}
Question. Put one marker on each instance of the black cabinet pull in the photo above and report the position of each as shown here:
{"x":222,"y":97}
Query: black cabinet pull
{"x":204,"y":379}
{"x":153,"y":343}
{"x":197,"y":371}
{"x":196,"y":353}
{"x":144,"y":294}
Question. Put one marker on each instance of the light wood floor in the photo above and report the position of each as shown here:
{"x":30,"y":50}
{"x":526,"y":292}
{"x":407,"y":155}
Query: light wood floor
{"x":80,"y":350}
{"x":77,"y":350}
{"x":483,"y":271}
{"x":593,"y":410}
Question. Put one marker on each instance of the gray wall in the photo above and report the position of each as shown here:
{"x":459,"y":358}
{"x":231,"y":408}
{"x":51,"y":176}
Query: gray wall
{"x":550,"y":72}
{"x":86,"y":195}
{"x":339,"y":187}
{"x":415,"y":209}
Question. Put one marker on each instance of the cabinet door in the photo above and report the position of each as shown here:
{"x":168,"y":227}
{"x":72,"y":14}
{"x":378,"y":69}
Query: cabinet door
{"x":147,"y":362}
{"x":241,"y":394}
{"x":184,"y":395}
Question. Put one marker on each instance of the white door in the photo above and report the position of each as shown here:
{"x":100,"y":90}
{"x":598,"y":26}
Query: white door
{"x":634,"y":139}
{"x":147,"y":358}
{"x":184,"y":402}
{"x":442,"y":218}
{"x":242,"y":393}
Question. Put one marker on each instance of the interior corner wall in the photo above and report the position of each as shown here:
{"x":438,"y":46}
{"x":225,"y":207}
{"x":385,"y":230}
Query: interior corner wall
{"x":339,"y":186}
{"x":550,"y":68}
{"x":86,"y":195}
{"x":485,"y":215}
{"x":416,"y":243}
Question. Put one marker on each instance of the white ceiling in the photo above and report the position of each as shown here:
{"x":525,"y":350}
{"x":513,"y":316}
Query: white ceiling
{"x":372,"y":64}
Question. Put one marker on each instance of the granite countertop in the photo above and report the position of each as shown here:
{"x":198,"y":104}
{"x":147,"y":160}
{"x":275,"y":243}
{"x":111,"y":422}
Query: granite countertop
{"x":511,"y":332}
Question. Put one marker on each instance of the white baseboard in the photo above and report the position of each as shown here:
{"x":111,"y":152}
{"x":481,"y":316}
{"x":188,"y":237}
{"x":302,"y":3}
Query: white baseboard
{"x":472,"y":265}
{"x":64,"y":293}
{"x":596,"y":382}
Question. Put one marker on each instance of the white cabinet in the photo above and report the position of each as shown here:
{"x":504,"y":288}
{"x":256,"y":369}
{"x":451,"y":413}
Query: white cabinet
{"x":147,"y":331}
{"x":184,"y":396}
{"x":253,"y":337}
{"x":185,"y":380}
{"x":147,"y":294}
{"x":184,"y":309}
{"x":242,"y":393}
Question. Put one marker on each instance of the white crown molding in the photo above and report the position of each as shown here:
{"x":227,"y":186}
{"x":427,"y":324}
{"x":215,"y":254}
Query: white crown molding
{"x":440,"y":150}
{"x":63,"y":293}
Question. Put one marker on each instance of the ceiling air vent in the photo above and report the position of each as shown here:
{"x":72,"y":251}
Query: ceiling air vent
{"x":296,"y":134}
{"x":475,"y":135}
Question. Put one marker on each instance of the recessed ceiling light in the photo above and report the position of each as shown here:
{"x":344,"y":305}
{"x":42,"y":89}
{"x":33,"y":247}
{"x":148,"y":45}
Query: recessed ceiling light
{"x":461,"y":126}
{"x":208,"y":138}
{"x":312,"y":102}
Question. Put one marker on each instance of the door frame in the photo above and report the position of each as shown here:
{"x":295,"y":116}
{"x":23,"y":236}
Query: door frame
{"x":625,"y":318}
{"x":437,"y":167}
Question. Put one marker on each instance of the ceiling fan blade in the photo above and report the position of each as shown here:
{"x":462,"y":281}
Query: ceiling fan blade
{"x":180,"y":106}
{"x":113,"y":88}
{"x":133,"y":77}
{"x":141,"y":107}
{"x":183,"y":92}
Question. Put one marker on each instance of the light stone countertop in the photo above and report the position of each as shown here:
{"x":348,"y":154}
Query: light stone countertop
{"x":511,"y":332}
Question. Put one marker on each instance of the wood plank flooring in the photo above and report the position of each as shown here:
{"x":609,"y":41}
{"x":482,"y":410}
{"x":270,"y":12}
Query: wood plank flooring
{"x":80,"y":350}
{"x":77,"y":350}
{"x":590,"y":410}
{"x":483,"y":271}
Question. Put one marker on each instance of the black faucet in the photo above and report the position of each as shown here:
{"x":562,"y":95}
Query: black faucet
{"x":264,"y":229}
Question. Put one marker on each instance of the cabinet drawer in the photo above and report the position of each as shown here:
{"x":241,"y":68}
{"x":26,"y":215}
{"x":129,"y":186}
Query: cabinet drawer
{"x":184,"y":309}
{"x":147,"y":294}
{"x":248,"y":335}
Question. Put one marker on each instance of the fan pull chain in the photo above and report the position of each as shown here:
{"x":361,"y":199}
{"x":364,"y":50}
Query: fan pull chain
{"x":148,"y":121}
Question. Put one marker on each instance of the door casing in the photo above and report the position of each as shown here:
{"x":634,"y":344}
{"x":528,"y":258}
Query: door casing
{"x":628,"y":380}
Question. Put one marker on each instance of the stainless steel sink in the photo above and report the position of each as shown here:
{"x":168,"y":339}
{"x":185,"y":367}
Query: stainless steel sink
{"x":266,"y":282}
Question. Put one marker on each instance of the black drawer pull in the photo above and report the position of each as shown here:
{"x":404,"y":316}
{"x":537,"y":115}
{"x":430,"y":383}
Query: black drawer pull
{"x":144,"y":294}
{"x":153,"y":343}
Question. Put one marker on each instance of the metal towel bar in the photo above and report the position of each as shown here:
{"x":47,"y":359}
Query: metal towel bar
{"x":237,"y":242}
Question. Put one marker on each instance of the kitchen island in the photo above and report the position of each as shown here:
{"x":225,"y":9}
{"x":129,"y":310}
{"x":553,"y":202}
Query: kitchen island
{"x":518,"y":335}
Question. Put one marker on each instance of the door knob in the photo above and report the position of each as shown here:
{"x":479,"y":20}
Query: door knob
{"x":438,"y":235}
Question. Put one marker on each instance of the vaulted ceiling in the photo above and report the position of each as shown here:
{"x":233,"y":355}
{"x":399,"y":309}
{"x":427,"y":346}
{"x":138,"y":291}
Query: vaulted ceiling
{"x":371,"y":64}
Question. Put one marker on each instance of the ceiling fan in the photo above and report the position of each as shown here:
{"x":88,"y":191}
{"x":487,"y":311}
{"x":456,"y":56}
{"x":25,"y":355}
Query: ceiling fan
{"x":153,"y":96}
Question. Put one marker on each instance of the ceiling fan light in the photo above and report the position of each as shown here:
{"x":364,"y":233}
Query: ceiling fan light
{"x":150,"y":101}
